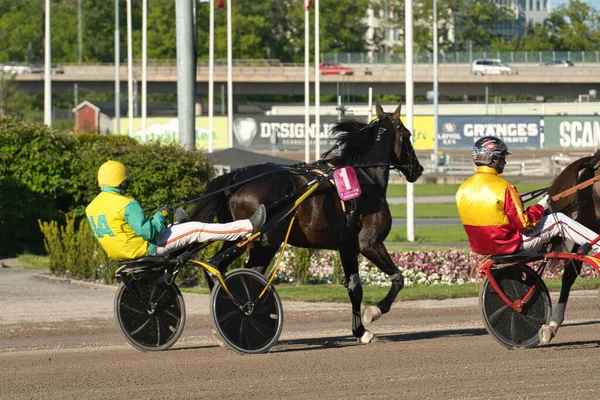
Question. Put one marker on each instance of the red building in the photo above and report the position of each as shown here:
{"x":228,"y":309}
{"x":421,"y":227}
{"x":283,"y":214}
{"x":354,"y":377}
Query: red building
{"x":89,"y":118}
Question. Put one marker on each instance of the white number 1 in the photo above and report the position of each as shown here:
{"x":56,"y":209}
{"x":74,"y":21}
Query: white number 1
{"x":344,"y":175}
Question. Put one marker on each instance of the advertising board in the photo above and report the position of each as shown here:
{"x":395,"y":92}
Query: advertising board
{"x":572,"y":132}
{"x":516,"y":131}
{"x":165,"y":129}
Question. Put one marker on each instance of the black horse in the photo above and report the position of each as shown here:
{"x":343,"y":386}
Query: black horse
{"x":584,"y":205}
{"x":321,"y":222}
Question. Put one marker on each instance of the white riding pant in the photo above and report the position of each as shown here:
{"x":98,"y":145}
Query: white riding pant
{"x":176,"y":236}
{"x":557,"y":224}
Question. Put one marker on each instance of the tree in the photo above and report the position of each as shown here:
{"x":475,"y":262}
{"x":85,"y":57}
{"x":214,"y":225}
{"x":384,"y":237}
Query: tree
{"x":575,"y":27}
{"x":275,"y":29}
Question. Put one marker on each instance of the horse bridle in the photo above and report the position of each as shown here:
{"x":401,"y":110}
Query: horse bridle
{"x":398,"y":128}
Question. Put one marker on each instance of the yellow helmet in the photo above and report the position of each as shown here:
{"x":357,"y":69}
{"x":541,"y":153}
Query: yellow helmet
{"x":112,"y":173}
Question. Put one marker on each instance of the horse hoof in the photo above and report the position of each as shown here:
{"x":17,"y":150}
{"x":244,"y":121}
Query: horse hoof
{"x":546,"y":334}
{"x":367,"y":337}
{"x":370,"y":314}
{"x":217,"y":339}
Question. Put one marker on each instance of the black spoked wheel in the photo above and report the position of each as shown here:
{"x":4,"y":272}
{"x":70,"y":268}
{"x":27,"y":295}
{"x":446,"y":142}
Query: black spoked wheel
{"x":150,"y":313}
{"x":256,"y":325}
{"x":512,"y":329}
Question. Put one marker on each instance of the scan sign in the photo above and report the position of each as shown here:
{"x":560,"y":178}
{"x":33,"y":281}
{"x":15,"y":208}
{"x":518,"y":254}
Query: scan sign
{"x":573,"y":132}
{"x":516,"y":131}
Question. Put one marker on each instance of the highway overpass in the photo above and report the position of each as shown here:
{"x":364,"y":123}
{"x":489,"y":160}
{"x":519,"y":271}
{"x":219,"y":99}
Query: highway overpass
{"x":285,"y":79}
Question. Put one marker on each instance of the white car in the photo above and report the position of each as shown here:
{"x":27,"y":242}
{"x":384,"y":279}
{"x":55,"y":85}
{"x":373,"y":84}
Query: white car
{"x":492,"y":66}
{"x":15,"y":68}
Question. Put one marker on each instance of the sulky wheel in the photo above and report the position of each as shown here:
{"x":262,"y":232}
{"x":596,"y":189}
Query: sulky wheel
{"x":150,"y":313}
{"x":251,"y":325}
{"x":512,"y":329}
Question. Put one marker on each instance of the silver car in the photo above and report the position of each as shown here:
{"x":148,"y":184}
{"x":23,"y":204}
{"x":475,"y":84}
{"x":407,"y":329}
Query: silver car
{"x":492,"y":66}
{"x":14,"y":68}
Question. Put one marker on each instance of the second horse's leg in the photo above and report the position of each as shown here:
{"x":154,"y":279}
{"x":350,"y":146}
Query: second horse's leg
{"x":377,"y":253}
{"x":547,"y":332}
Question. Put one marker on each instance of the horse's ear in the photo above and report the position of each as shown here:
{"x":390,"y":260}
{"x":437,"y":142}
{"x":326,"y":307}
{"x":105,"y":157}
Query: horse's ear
{"x":379,"y":110}
{"x":397,"y":112}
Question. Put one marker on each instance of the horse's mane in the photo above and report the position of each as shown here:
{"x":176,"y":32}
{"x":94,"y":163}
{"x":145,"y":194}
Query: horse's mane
{"x":567,"y":179}
{"x":353,"y":140}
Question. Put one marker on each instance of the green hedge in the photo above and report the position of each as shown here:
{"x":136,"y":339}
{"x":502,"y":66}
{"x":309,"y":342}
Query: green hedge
{"x":49,"y":176}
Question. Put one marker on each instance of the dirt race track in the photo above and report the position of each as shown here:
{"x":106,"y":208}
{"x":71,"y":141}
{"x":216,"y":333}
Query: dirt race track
{"x":59,"y":341}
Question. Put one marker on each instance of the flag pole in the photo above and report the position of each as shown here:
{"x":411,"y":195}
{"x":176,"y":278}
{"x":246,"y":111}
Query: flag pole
{"x":47,"y":68}
{"x":211,"y":74}
{"x":409,"y":85}
{"x":317,"y":85}
{"x":306,"y":80}
{"x":229,"y":77}
{"x":129,"y":69}
{"x":144,"y":66}
{"x":117,"y":72}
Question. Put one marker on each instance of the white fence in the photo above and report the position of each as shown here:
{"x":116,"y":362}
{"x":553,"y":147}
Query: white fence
{"x":463,"y":165}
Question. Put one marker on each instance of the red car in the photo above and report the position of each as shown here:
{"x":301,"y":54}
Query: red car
{"x":331,"y":68}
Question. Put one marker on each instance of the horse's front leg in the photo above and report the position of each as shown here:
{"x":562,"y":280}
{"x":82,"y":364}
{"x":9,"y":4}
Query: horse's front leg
{"x":378,"y":255}
{"x":570,"y":274}
{"x":355,"y":292}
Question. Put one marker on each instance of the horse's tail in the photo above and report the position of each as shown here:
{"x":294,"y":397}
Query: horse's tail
{"x":568,"y":178}
{"x":208,"y":206}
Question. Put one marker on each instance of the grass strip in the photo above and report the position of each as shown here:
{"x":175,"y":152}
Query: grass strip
{"x":450,"y":233}
{"x":373,"y":294}
{"x":31,"y":261}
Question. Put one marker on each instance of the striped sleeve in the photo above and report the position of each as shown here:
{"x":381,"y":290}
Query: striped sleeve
{"x":520,"y":219}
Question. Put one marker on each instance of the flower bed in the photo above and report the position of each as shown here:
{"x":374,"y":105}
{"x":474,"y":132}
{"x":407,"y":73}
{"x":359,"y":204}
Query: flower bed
{"x":449,"y":267}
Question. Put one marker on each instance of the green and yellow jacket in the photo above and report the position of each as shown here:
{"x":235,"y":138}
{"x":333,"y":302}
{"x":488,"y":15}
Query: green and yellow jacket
{"x":119,"y":224}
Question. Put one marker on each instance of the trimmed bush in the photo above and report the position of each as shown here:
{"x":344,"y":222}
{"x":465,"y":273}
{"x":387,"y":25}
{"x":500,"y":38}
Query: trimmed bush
{"x":74,"y":252}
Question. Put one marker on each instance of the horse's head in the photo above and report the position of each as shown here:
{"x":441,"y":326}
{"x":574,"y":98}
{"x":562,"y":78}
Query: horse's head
{"x":403,"y":156}
{"x":383,"y":142}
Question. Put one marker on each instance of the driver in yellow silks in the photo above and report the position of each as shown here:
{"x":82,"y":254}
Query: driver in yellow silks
{"x":493,"y":215}
{"x":125,"y":233}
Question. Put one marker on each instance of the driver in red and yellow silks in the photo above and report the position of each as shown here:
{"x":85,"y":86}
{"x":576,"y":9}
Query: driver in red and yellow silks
{"x":496,"y":221}
{"x":493,"y":215}
{"x":124,"y":232}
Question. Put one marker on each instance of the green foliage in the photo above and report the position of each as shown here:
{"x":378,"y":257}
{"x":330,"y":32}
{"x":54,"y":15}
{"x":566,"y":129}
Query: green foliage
{"x":575,"y":27}
{"x":338,"y":270}
{"x":261,"y":29}
{"x":53,"y":246}
{"x":300,"y":263}
{"x":73,"y":252}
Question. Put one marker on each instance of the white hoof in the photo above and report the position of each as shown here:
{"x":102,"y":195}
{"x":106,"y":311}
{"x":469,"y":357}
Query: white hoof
{"x":370,"y":314}
{"x":217,"y":339}
{"x":546,"y":334}
{"x":367,"y":337}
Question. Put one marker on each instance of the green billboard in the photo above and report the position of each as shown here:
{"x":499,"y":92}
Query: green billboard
{"x":570,"y":132}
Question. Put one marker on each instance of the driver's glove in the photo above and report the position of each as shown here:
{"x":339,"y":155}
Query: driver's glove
{"x":545,"y":202}
{"x":165,"y":211}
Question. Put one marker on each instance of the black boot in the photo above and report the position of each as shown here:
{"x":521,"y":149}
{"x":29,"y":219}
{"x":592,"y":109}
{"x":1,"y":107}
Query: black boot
{"x":258,"y":218}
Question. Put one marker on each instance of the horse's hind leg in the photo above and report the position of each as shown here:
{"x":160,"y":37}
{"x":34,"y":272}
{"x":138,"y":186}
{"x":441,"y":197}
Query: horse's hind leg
{"x":378,"y":255}
{"x":355,"y":292}
{"x":570,"y":274}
